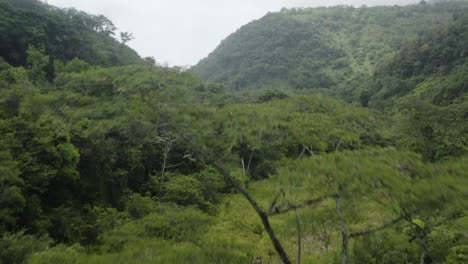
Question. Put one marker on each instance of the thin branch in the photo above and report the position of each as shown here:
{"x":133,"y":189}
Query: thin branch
{"x":302,"y":152}
{"x":338,"y":145}
{"x":299,"y":237}
{"x":375,"y":229}
{"x":243,"y":173}
{"x":289,"y":207}
{"x":175,"y":165}
{"x":304,"y":148}
{"x":167,"y":149}
{"x":275,"y":201}
{"x":344,"y":234}
{"x":422,"y":258}
{"x":298,"y":224}
{"x":310,"y":150}
{"x":250,"y":160}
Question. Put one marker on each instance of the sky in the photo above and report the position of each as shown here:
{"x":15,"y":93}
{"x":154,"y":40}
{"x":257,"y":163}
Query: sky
{"x":182,"y":32}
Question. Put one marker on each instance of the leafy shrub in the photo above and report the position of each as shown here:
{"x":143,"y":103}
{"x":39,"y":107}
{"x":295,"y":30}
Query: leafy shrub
{"x":170,"y":224}
{"x":15,"y":248}
{"x":139,"y":206}
{"x":57,"y":255}
{"x":458,"y":255}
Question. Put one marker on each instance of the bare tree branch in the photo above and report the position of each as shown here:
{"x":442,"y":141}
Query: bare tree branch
{"x":375,"y":229}
{"x":302,"y":152}
{"x":275,"y":200}
{"x":244,"y":176}
{"x":344,"y":234}
{"x":310,"y":150}
{"x":289,"y":207}
{"x":338,"y":145}
{"x":250,"y":160}
{"x":167,"y":149}
{"x":299,"y":237}
{"x":298,"y":225}
{"x":175,"y":165}
{"x":304,"y":148}
{"x":263,"y":216}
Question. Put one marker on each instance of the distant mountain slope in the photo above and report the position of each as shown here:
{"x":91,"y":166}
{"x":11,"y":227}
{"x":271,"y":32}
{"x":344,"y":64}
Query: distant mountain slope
{"x":65,"y":34}
{"x":317,"y":48}
{"x":433,"y":68}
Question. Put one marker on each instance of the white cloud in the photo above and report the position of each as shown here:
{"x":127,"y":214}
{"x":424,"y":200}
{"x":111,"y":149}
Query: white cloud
{"x":181,"y":32}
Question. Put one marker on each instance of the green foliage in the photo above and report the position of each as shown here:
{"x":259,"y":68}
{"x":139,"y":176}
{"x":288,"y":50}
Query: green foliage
{"x":436,"y":132}
{"x":457,"y":255}
{"x":168,"y":224}
{"x":261,"y":134}
{"x":15,"y":85}
{"x":321,"y":48}
{"x":3,"y":64}
{"x":271,"y":95}
{"x":112,"y":161}
{"x":201,"y":189}
{"x":56,"y":255}
{"x":432,"y":67}
{"x":170,"y":236}
{"x":15,"y":248}
{"x":374,"y":185}
{"x":65,"y":34}
{"x":108,"y":219}
{"x":12,"y":201}
{"x":138,"y":206}
{"x":37,"y":61}
{"x":184,"y":190}
{"x":387,"y":247}
{"x":73,"y":66}
{"x":438,"y":51}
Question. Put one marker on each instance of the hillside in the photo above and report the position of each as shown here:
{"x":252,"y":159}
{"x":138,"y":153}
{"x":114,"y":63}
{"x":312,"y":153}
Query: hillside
{"x":108,"y":158}
{"x":64,"y":33}
{"x":316,"y":49}
{"x":432,"y":67}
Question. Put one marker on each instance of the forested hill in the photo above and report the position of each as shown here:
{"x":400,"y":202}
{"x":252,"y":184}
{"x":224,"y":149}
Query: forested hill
{"x":433,"y":68}
{"x":320,"y":48}
{"x":102,"y":162}
{"x":64,"y":33}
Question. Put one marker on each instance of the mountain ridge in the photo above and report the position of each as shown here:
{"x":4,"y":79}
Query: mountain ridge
{"x":319,"y":48}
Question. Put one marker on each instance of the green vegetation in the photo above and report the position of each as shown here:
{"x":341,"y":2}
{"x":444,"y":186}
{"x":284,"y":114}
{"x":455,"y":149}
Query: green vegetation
{"x":107,"y":158}
{"x":328,"y":50}
{"x":64,"y":34}
{"x":432,"y":67}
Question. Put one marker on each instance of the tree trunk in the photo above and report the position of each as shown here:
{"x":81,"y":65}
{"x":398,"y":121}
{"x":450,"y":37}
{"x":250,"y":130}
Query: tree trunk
{"x":263,"y":216}
{"x":167,"y":149}
{"x":344,"y":234}
{"x":299,"y":237}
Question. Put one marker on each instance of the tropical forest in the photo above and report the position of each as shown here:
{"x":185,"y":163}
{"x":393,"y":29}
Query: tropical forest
{"x":312,"y":135}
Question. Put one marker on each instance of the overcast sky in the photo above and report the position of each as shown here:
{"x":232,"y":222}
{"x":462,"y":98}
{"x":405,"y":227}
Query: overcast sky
{"x":181,"y":32}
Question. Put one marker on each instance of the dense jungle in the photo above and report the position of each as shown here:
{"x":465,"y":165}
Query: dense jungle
{"x":311,"y":135}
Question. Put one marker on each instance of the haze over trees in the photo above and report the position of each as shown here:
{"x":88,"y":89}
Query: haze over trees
{"x":327,"y":135}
